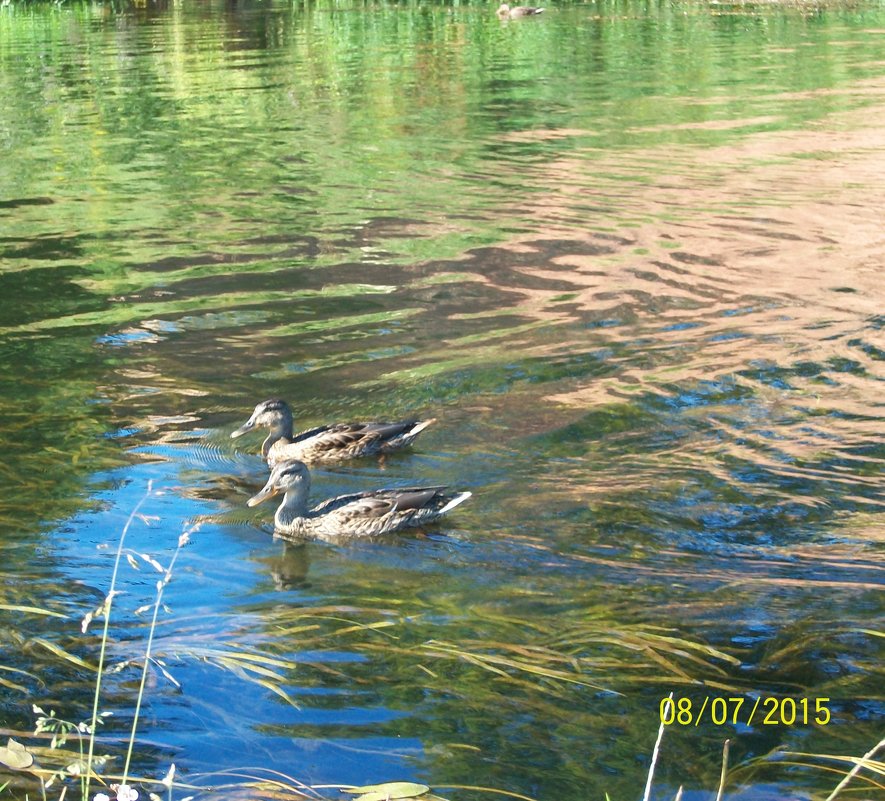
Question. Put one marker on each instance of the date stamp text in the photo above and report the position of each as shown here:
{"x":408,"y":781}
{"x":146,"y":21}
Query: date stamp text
{"x":763,"y":711}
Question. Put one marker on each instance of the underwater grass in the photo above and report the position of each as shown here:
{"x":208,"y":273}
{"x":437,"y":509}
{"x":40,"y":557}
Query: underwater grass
{"x":583,"y":650}
{"x":601,"y":654}
{"x":543,"y":662}
{"x":850,"y":768}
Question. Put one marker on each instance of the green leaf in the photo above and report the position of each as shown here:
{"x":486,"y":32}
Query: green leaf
{"x":14,"y":755}
{"x":391,"y":790}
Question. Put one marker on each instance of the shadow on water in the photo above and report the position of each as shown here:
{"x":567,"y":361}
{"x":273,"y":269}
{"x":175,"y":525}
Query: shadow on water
{"x":628,"y":257}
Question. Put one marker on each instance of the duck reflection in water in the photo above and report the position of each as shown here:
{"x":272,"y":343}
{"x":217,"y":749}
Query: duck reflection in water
{"x":288,"y":569}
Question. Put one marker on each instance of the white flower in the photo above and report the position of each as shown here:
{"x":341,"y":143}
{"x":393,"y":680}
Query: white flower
{"x":125,"y":792}
{"x":101,"y":797}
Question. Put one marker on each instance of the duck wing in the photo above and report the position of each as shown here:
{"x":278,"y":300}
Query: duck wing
{"x":342,"y":434}
{"x":381,"y":511}
{"x":375,"y":503}
{"x":308,"y":433}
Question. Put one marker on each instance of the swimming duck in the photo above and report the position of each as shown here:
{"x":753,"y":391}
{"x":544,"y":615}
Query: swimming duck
{"x":362,"y":514}
{"x":506,"y":12}
{"x":325,"y":443}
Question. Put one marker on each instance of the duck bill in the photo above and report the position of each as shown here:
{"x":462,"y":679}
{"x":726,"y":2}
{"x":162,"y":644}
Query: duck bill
{"x":243,"y":429}
{"x":268,"y":491}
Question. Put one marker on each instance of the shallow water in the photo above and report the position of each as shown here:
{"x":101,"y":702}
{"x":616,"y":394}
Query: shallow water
{"x":628,"y":255}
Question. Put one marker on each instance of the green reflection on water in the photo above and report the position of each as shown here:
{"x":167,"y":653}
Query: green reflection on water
{"x":415,"y":209}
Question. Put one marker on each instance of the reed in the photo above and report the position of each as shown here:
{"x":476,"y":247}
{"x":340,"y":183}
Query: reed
{"x":105,"y":611}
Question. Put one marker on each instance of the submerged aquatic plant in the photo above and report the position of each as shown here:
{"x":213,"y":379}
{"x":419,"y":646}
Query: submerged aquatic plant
{"x":858,"y":770}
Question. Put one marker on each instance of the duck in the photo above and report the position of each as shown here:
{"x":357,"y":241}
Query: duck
{"x":506,"y":12}
{"x":361,"y":514}
{"x":325,"y":443}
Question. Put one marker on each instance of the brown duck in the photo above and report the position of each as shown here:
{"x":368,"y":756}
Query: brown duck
{"x":325,"y":443}
{"x":361,"y":514}
{"x":507,"y":12}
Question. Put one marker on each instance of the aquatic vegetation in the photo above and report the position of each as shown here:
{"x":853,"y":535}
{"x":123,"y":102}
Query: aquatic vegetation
{"x":545,"y":657}
{"x":864,"y":773}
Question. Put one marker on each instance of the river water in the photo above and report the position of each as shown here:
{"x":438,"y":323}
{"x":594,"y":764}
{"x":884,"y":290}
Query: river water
{"x":629,"y":255}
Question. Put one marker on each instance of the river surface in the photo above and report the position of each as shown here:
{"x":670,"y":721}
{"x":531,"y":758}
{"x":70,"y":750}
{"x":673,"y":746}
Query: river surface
{"x":630,"y":256}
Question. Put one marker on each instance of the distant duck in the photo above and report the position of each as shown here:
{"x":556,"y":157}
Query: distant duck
{"x":362,"y":514}
{"x":506,"y":12}
{"x":326,"y":443}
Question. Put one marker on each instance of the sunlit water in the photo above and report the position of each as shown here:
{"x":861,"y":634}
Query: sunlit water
{"x":630,"y":257}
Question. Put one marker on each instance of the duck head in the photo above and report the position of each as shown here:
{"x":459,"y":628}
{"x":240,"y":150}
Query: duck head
{"x":289,"y":477}
{"x":274,"y":414}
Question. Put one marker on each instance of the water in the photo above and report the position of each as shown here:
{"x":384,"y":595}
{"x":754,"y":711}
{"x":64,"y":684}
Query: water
{"x":629,"y":256}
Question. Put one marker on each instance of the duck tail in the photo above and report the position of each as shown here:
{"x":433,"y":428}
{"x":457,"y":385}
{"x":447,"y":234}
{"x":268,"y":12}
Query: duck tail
{"x":458,"y":499}
{"x":420,"y":426}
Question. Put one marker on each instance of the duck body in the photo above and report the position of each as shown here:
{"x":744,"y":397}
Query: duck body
{"x":362,"y":514}
{"x":326,"y":443}
{"x":515,"y":12}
